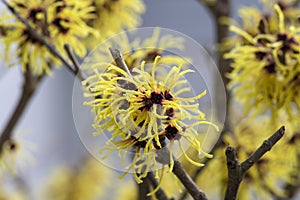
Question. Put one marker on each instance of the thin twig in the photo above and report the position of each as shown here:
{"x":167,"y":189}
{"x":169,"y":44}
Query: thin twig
{"x":75,"y":62}
{"x":120,"y":62}
{"x":236,"y":171}
{"x":266,"y":146}
{"x":40,"y":38}
{"x":72,"y":57}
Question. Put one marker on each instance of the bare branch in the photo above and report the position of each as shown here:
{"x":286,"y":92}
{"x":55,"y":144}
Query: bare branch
{"x":164,"y":158}
{"x":187,"y":181}
{"x":160,"y":194}
{"x":234,"y":174}
{"x":144,"y":189}
{"x":236,"y":171}
{"x":266,"y":146}
{"x":75,"y":62}
{"x":72,"y":57}
{"x":29,"y":87}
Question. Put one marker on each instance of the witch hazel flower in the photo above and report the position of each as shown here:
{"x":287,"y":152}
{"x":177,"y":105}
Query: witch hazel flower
{"x":271,"y":61}
{"x":145,"y":110}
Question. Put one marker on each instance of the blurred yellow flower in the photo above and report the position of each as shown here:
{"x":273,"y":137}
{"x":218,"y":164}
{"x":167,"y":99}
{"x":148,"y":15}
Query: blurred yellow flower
{"x":127,"y":191}
{"x":113,"y":16}
{"x":16,"y":155}
{"x":11,"y":194}
{"x":289,"y":8}
{"x":88,"y":181}
{"x":147,"y":44}
{"x":265,"y":76}
{"x":255,"y":21}
{"x":58,"y":21}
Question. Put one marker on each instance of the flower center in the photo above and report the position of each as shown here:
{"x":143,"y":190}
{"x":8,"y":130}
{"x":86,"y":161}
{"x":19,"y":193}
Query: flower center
{"x":172,"y":133}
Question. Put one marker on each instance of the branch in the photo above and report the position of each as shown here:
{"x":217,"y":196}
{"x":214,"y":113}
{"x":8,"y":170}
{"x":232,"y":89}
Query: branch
{"x":29,"y":87}
{"x":236,"y":171}
{"x":120,"y":62}
{"x":144,"y":189}
{"x":75,"y":62}
{"x":72,"y":57}
{"x":218,"y":9}
{"x":40,"y":38}
{"x":160,"y":194}
{"x":200,"y":169}
{"x":266,"y":146}
{"x":163,"y":156}
{"x":187,"y":181}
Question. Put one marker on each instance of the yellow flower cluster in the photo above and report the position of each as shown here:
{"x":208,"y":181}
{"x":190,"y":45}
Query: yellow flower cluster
{"x":254,"y":21}
{"x":57,"y":21}
{"x":146,"y":45}
{"x":61,"y":22}
{"x":113,"y":16}
{"x":266,"y":67}
{"x":145,"y":111}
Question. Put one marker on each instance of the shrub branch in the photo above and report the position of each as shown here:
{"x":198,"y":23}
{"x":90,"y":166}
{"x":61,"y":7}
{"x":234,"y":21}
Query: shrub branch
{"x":237,"y":170}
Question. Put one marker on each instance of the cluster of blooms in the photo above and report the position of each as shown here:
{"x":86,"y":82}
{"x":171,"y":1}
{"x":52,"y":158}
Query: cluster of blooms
{"x":144,"y":112}
{"x":269,"y":176}
{"x":265,"y":76}
{"x":60,"y":21}
{"x":113,"y":16}
{"x":141,"y":48}
{"x":57,"y":21}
